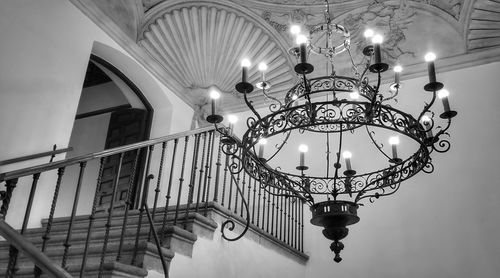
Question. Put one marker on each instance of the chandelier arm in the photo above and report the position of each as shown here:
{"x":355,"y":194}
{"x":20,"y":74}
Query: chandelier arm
{"x":379,"y":147}
{"x":249,"y":104}
{"x":427,"y":106}
{"x":273,"y":98}
{"x":231,"y":223}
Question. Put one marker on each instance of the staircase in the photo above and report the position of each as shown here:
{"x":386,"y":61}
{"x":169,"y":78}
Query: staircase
{"x":192,"y":190}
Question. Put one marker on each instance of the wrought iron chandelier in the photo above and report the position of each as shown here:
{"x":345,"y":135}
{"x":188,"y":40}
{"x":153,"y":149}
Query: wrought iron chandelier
{"x":335,"y":105}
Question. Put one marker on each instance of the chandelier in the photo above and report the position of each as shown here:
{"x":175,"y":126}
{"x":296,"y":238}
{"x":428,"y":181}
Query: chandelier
{"x":335,"y":105}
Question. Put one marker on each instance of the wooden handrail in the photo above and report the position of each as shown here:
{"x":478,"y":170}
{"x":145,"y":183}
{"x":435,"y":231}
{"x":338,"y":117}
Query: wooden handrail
{"x":74,"y":160}
{"x":30,"y":250}
{"x":33,"y":156}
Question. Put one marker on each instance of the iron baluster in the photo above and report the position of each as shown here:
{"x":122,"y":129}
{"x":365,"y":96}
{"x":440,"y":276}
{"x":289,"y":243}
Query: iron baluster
{"x":237,"y":184}
{"x":273,"y":212}
{"x":268,"y":208}
{"x":146,"y":178}
{"x":158,"y":183}
{"x":258,"y":206}
{"x":217,"y":173}
{"x":128,"y":203}
{"x":253,"y":203}
{"x":301,"y":227}
{"x":225,"y":180}
{"x":6,"y":196}
{"x":92,"y":216}
{"x":169,"y":189}
{"x":249,"y":188}
{"x":229,"y":197}
{"x":283,"y":212}
{"x":110,"y":214}
{"x":181,"y":180}
{"x":289,"y":230}
{"x":192,"y":179}
{"x":46,"y":235}
{"x":67,"y":242}
{"x":208,"y":166}
{"x":209,"y":171}
{"x":201,"y":171}
{"x":243,"y":191}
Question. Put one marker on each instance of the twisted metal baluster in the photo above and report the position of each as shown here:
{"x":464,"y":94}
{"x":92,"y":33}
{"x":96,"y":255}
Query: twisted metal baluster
{"x":128,"y":203}
{"x":209,"y":173}
{"x":192,"y":179}
{"x":217,"y":173}
{"x":6,"y":196}
{"x":302,"y":226}
{"x":158,"y":183}
{"x":243,"y":191}
{"x":208,"y":166}
{"x":67,"y":242}
{"x":169,"y":189}
{"x":146,"y":177}
{"x":225,"y":180}
{"x":253,"y":203}
{"x":110,"y":215}
{"x":92,"y":216}
{"x":201,"y":171}
{"x":181,"y":180}
{"x":249,"y":187}
{"x":268,"y":208}
{"x":273,"y":212}
{"x":283,"y":213}
{"x":46,"y":235}
{"x":258,"y":207}
{"x":288,"y":208}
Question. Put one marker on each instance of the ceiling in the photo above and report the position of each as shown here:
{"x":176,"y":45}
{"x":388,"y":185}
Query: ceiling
{"x":199,"y":44}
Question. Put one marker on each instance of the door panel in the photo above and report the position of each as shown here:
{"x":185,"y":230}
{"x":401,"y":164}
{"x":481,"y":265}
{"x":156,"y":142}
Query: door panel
{"x":125,"y":127}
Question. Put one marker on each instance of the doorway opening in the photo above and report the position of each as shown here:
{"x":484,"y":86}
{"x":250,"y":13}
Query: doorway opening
{"x":112,"y":112}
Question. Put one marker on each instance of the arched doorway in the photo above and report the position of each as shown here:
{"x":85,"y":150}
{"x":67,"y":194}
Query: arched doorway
{"x":112,"y":112}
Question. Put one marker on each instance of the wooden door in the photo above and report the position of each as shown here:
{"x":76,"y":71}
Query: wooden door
{"x":125,"y":127}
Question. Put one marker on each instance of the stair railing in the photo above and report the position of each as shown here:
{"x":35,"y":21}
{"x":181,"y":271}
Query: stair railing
{"x":187,"y":175}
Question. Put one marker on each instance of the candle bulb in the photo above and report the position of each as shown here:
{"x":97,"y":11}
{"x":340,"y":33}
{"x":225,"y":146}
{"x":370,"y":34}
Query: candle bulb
{"x":347,"y":156}
{"x":232,"y":119}
{"x":368,"y":34}
{"x":262,"y":69}
{"x":394,"y":141}
{"x":397,"y":72}
{"x":245,"y":64}
{"x":426,"y":121}
{"x":262,"y":142}
{"x":377,"y":41}
{"x":214,"y":95}
{"x":429,"y":58}
{"x":295,"y":30}
{"x":443,"y":95}
{"x":303,"y":149}
{"x":354,"y":95}
{"x":301,"y":41}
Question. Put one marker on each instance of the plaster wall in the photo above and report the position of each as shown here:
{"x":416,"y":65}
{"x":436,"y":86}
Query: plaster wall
{"x":444,"y":224}
{"x":45,"y":49}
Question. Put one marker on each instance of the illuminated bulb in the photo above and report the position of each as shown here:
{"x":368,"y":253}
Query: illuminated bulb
{"x":443,"y":93}
{"x":377,"y":39}
{"x":232,"y":119}
{"x":429,"y":57}
{"x":368,"y":33}
{"x":214,"y":94}
{"x":347,"y":154}
{"x":245,"y":63}
{"x":262,"y":141}
{"x":262,"y":66}
{"x":301,"y":39}
{"x":354,"y":95}
{"x":295,"y":97}
{"x":394,"y":140}
{"x":295,"y":29}
{"x":303,"y":148}
{"x":398,"y":68}
{"x":425,"y":119}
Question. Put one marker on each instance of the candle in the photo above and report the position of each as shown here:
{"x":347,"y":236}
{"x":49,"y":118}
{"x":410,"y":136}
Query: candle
{"x":394,"y":141}
{"x":262,"y":142}
{"x":397,"y":71}
{"x":245,"y":64}
{"x":301,"y":41}
{"x":262,"y":69}
{"x":429,"y":58}
{"x":214,"y":95}
{"x":232,"y":119}
{"x":426,"y":121}
{"x":377,"y":40}
{"x":443,"y":95}
{"x":303,"y":149}
{"x":347,"y":156}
